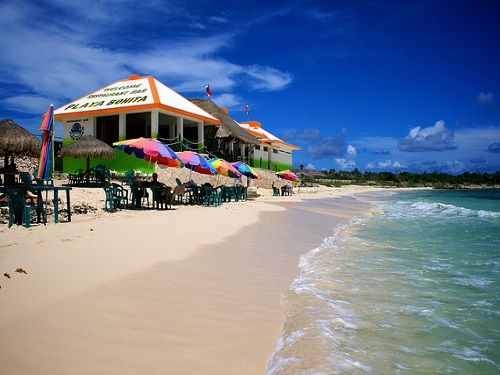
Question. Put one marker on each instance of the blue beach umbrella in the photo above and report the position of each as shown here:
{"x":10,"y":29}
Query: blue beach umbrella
{"x":245,"y":169}
{"x":196,"y":162}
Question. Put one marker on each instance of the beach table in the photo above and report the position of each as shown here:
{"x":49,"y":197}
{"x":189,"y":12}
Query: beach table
{"x":39,"y":189}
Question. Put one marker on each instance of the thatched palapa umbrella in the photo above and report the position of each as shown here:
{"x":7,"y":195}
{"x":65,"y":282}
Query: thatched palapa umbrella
{"x":90,"y":148}
{"x":17,"y":141}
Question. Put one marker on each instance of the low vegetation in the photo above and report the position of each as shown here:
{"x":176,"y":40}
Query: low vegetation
{"x":404,"y":179}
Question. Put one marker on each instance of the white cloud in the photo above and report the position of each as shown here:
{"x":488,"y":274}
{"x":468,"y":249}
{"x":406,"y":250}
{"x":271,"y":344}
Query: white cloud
{"x":226,"y":100}
{"x":62,"y":59}
{"x":345,"y":164}
{"x":432,"y":138}
{"x":268,"y":78}
{"x":27,"y":103}
{"x":351,"y":151}
{"x":384,"y":165}
{"x":310,"y":167}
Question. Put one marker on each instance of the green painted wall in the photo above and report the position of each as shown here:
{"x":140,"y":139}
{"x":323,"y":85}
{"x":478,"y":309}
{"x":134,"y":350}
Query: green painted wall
{"x":265,"y":165}
{"x":121,"y":163}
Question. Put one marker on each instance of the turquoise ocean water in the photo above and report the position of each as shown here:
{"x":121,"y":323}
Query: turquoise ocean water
{"x":411,"y":289}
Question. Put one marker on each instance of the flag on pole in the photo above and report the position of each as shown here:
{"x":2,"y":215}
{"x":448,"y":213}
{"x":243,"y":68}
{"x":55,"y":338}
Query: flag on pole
{"x":209,"y":92}
{"x":246,"y":108}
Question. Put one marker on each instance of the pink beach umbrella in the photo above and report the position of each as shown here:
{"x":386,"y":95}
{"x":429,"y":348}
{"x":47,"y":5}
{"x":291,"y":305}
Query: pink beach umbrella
{"x":152,"y":150}
{"x":196,"y":162}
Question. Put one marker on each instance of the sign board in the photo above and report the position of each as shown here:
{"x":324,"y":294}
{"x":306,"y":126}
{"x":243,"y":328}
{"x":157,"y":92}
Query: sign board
{"x":76,"y":127}
{"x":117,"y":95}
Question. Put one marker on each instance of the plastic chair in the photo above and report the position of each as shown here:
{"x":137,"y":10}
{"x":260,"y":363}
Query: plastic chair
{"x":162,"y":196}
{"x":113,"y":199}
{"x":241,"y":193}
{"x":19,"y":209}
{"x":211,"y":196}
{"x":121,"y":193}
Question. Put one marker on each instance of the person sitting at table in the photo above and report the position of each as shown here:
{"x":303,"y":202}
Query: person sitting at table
{"x":163,"y":192}
{"x":154,"y":182}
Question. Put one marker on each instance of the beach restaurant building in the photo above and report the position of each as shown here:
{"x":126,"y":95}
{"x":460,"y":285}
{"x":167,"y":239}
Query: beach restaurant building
{"x":272,"y":152}
{"x":139,"y":106}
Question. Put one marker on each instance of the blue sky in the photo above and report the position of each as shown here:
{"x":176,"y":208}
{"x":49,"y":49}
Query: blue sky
{"x":374,"y":85}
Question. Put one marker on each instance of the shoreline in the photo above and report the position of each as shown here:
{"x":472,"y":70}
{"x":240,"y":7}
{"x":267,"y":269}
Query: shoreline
{"x":71,"y":280}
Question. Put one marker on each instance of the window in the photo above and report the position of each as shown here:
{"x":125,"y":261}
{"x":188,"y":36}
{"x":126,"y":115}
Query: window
{"x":138,"y":125}
{"x":265,"y":148}
{"x":275,"y":151}
{"x":257,"y":147}
{"x":107,"y":129}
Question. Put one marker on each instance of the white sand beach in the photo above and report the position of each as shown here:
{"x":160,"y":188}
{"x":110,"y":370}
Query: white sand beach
{"x":187,"y":291}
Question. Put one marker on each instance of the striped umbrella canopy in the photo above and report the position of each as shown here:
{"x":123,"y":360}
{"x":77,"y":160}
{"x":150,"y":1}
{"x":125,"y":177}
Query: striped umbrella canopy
{"x":225,"y":168}
{"x":288,"y":175}
{"x":196,"y":162}
{"x":245,"y":169}
{"x":152,"y":150}
{"x":46,"y":163}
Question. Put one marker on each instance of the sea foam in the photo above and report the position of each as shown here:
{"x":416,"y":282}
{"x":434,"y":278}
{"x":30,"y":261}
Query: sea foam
{"x":433,"y":209}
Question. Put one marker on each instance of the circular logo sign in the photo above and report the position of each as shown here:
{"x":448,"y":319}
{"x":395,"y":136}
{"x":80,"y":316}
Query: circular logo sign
{"x":76,"y":131}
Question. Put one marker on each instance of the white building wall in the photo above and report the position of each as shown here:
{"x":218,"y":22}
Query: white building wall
{"x":283,"y":155}
{"x":70,"y":125}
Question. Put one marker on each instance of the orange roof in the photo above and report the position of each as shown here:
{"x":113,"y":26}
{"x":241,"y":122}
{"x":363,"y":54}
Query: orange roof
{"x":254,"y":128}
{"x":131,"y":94}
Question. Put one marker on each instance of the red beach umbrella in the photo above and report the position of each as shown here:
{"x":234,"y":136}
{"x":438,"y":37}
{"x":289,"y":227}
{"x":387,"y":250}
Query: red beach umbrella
{"x":288,"y":175}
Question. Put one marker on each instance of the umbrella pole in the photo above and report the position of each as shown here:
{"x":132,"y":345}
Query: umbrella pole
{"x":46,"y":201}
